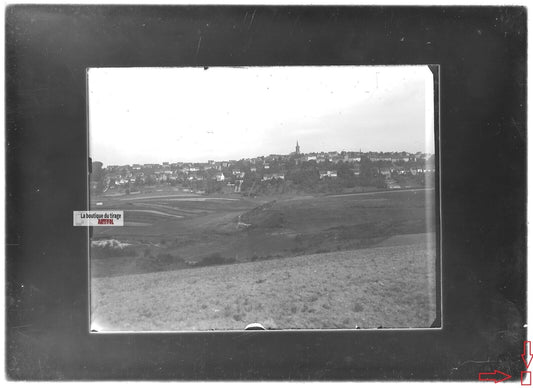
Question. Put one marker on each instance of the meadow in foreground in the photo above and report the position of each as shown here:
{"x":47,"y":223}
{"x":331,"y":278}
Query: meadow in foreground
{"x":392,"y":285}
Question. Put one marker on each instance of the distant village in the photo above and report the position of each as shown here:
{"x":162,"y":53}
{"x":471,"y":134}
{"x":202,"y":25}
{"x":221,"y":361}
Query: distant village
{"x":314,"y":171}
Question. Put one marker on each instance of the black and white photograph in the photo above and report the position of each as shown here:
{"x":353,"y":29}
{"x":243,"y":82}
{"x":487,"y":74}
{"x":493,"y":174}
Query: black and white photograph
{"x":266,"y":193}
{"x":277,"y":197}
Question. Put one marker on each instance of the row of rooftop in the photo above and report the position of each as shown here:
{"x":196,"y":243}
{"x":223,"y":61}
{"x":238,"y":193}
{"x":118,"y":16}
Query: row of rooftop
{"x":267,"y":168}
{"x":265,"y":161}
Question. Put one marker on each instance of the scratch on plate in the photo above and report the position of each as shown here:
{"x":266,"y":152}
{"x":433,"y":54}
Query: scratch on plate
{"x":473,"y":362}
{"x":252,"y":20}
{"x":20,"y":326}
{"x":198,"y":47}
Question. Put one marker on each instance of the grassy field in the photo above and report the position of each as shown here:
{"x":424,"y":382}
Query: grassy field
{"x":194,"y":262}
{"x":166,"y":229}
{"x":388,"y":286}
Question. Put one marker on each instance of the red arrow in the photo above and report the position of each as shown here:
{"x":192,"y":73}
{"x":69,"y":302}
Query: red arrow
{"x":526,"y":356}
{"x":497,"y":376}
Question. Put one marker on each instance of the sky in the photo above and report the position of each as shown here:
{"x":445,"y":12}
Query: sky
{"x":155,"y":115}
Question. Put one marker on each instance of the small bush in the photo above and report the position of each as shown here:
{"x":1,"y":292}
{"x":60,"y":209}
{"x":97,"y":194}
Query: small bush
{"x":164,"y":256}
{"x":167,"y":258}
{"x":216,"y":259}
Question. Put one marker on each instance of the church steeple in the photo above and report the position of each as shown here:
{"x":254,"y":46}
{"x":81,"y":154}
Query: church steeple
{"x":297,"y":148}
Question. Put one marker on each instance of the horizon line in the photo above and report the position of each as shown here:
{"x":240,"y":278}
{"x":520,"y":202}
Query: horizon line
{"x":263,"y":156}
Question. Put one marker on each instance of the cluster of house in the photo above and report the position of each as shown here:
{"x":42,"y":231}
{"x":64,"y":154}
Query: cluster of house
{"x":267,"y":168}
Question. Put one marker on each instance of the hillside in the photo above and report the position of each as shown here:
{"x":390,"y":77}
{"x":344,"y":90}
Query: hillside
{"x":388,"y":286}
{"x":166,"y":231}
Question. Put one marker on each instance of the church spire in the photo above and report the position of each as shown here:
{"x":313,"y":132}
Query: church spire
{"x":297,"y":148}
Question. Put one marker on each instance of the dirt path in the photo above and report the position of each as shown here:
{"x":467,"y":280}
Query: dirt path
{"x":178,"y":197}
{"x":382,"y":192}
{"x":153,"y":212}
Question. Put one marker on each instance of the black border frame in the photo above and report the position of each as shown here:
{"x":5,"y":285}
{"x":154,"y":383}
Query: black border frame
{"x":482,"y":56}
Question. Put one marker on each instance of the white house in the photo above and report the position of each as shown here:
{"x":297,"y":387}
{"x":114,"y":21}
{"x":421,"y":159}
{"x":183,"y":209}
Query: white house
{"x":328,"y":174}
